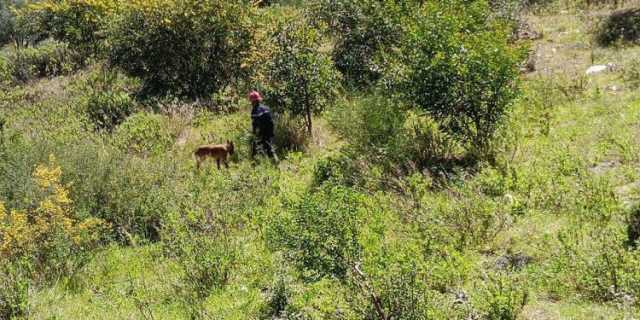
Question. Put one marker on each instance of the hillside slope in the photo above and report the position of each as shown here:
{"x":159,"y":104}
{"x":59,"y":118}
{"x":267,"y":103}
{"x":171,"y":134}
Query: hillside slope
{"x":538,"y":234}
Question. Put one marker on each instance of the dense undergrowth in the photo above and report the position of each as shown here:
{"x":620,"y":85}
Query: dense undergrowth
{"x":418,"y":179}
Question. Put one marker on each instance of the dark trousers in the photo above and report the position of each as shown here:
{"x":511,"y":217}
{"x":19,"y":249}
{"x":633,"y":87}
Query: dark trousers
{"x":264,"y":145}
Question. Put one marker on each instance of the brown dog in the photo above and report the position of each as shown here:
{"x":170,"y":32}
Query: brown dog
{"x":220,"y":152}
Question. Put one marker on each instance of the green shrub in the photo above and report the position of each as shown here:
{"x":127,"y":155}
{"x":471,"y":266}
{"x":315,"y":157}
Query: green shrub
{"x":207,"y":262}
{"x":371,"y":124}
{"x":6,"y":77}
{"x":464,"y":217}
{"x":17,"y":158}
{"x":631,"y":74}
{"x":502,"y":297}
{"x":144,"y":134}
{"x":48,"y":59}
{"x":386,"y":134}
{"x":596,"y":263}
{"x":10,"y":27}
{"x":457,"y":65}
{"x":337,"y":169}
{"x":79,"y":23}
{"x":43,"y":242}
{"x":6,"y":22}
{"x":400,"y":276}
{"x":185,"y":48}
{"x":620,"y":26}
{"x":298,"y":78}
{"x":320,"y":232}
{"x":421,"y":143}
{"x":278,"y":300}
{"x":108,"y":109}
{"x":132,"y":195}
{"x":14,"y":289}
{"x":397,"y":292}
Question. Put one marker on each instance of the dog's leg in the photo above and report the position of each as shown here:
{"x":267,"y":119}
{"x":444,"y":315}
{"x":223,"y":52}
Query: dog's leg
{"x":218,"y":163}
{"x":226,"y":163}
{"x":198,"y":160}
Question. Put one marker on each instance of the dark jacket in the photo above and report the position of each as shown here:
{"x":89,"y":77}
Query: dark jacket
{"x":262,"y":121}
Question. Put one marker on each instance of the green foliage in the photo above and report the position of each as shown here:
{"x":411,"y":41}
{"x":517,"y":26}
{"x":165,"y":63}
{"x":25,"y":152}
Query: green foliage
{"x":423,"y":143}
{"x":290,"y":134}
{"x":17,"y":188}
{"x":384,"y":220}
{"x":6,"y":22}
{"x":11,"y":28}
{"x":298,"y":78}
{"x":320,"y":232}
{"x":186,"y":48}
{"x":503,"y":297}
{"x":337,"y":169}
{"x":458,"y":67}
{"x":381,"y":132}
{"x":206,"y":256}
{"x":398,"y":292}
{"x":79,"y":23}
{"x":131,"y":194}
{"x":14,"y":289}
{"x":6,"y":78}
{"x":595,"y":259}
{"x":621,"y":26}
{"x":278,"y":300}
{"x":43,"y":242}
{"x":631,"y":74}
{"x":144,"y":134}
{"x":370,"y":123}
{"x":48,"y":59}
{"x":470,"y":221}
{"x":602,"y":270}
{"x":362,"y":30}
{"x":106,"y":110}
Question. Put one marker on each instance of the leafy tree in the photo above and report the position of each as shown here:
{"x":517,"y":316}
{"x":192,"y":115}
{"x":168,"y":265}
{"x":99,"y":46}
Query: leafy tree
{"x":6,"y":22}
{"x":185,"y":48}
{"x":458,"y":66}
{"x":362,"y":29}
{"x":8,"y":27}
{"x":80,"y":23}
{"x":299,"y":78}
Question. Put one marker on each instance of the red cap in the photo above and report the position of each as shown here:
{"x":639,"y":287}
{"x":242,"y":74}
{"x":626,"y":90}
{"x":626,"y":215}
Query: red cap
{"x":254,"y":96}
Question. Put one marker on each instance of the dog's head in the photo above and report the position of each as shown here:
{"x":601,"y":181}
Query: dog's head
{"x":230,"y":147}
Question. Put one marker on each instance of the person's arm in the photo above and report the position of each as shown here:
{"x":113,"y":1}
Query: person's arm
{"x":253,"y":121}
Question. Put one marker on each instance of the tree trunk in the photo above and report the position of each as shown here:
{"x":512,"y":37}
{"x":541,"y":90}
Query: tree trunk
{"x":309,"y":125}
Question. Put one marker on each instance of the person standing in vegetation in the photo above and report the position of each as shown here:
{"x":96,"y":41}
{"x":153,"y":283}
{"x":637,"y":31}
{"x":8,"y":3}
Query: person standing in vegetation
{"x":262,"y":124}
